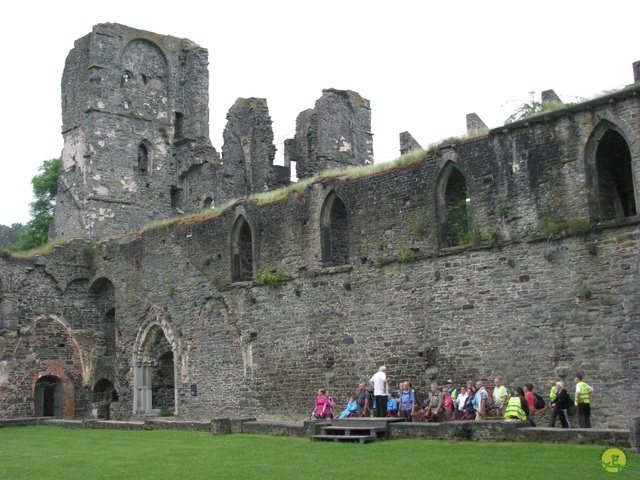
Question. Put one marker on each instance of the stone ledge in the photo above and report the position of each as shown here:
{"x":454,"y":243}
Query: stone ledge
{"x":288,"y":429}
{"x":57,"y":422}
{"x":20,"y":422}
{"x":586,"y":436}
{"x":496,"y":431}
{"x":502,"y":431}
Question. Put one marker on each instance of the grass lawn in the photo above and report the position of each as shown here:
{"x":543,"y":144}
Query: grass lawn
{"x":50,"y":453}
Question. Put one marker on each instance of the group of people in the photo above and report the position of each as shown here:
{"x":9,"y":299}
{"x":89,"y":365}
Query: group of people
{"x":472,"y":401}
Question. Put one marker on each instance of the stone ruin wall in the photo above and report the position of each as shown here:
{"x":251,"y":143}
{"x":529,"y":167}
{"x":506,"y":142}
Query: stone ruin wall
{"x":169,"y":302}
{"x":512,"y":309}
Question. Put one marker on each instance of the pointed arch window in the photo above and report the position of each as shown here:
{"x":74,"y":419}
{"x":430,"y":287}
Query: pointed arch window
{"x":242,"y":251}
{"x":334,"y":227}
{"x":143,"y":159}
{"x":454,"y":207}
{"x":614,"y":185}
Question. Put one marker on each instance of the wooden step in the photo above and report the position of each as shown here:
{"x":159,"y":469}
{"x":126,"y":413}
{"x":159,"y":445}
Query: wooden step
{"x":344,"y":438}
{"x":377,"y":432}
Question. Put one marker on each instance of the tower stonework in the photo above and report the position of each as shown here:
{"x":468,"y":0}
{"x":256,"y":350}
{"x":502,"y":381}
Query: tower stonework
{"x":248,"y":149}
{"x":334,"y":134}
{"x":134,"y":104}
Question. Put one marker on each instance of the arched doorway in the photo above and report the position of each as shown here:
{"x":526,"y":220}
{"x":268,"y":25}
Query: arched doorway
{"x":48,"y":397}
{"x":154,"y":373}
{"x":103,"y":394}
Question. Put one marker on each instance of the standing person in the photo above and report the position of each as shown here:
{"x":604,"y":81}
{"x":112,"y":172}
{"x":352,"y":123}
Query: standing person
{"x":552,"y":391}
{"x":480,"y":400}
{"x":380,"y":391}
{"x":453,"y":391}
{"x":321,"y":410}
{"x":435,"y":403}
{"x":583,"y":401}
{"x":525,"y":405}
{"x":447,"y":404}
{"x":529,"y":396}
{"x":561,"y":405}
{"x":500,"y":394}
{"x":331,"y":403}
{"x":461,"y":400}
{"x":406,"y":402}
{"x":362,"y":399}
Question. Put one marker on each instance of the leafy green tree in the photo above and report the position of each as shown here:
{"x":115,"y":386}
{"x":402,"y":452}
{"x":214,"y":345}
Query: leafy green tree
{"x":45,"y":188}
{"x":9,"y":235}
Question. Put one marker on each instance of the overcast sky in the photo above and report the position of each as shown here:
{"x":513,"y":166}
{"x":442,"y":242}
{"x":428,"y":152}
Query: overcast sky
{"x":423,"y":67}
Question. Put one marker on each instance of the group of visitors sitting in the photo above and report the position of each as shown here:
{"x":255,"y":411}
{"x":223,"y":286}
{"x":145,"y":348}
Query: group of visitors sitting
{"x":472,"y":401}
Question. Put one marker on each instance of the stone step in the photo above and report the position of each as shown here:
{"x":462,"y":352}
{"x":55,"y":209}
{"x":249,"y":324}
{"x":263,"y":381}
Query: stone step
{"x":344,"y":438}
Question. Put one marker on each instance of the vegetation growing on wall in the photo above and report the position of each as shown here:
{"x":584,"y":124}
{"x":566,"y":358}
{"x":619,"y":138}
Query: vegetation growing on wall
{"x":532,"y":108}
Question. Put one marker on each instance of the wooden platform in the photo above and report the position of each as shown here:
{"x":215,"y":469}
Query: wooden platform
{"x":360,"y":429}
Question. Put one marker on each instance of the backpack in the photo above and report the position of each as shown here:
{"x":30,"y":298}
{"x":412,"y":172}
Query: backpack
{"x":538,"y":401}
{"x":488,"y":403}
{"x":371,"y":398}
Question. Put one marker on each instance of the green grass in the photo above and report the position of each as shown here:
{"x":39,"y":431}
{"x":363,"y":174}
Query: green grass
{"x":57,"y":453}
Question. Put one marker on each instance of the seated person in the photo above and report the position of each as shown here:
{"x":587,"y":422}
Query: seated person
{"x":392,"y":407}
{"x":351,"y":410}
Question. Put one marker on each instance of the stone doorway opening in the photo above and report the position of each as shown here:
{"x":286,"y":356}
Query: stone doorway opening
{"x":48,"y":397}
{"x":154,"y":374}
{"x":103,"y":394}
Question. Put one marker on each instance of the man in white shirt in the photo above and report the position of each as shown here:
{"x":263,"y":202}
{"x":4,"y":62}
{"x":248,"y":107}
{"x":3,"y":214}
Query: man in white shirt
{"x":380,"y":391}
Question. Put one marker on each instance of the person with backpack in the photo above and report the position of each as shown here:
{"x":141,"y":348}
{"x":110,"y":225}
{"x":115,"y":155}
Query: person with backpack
{"x":529,"y":396}
{"x":406,"y":401}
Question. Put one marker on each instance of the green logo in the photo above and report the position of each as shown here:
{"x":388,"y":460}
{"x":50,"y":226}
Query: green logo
{"x":614,"y":461}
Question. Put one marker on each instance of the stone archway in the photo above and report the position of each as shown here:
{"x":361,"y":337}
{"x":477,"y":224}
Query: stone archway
{"x":154,"y":373}
{"x":103,"y":394}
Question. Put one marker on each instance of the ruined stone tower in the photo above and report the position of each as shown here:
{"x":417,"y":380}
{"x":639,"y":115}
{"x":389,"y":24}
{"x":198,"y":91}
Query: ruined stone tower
{"x":334,"y":134}
{"x":134,"y":117}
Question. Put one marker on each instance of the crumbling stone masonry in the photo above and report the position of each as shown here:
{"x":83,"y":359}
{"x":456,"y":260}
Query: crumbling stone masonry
{"x":334,"y":134}
{"x":248,"y":311}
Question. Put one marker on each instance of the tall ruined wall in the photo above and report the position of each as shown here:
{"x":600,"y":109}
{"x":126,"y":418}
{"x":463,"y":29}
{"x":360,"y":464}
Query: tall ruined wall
{"x":336,"y":133}
{"x":248,"y":150}
{"x":524,"y":301}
